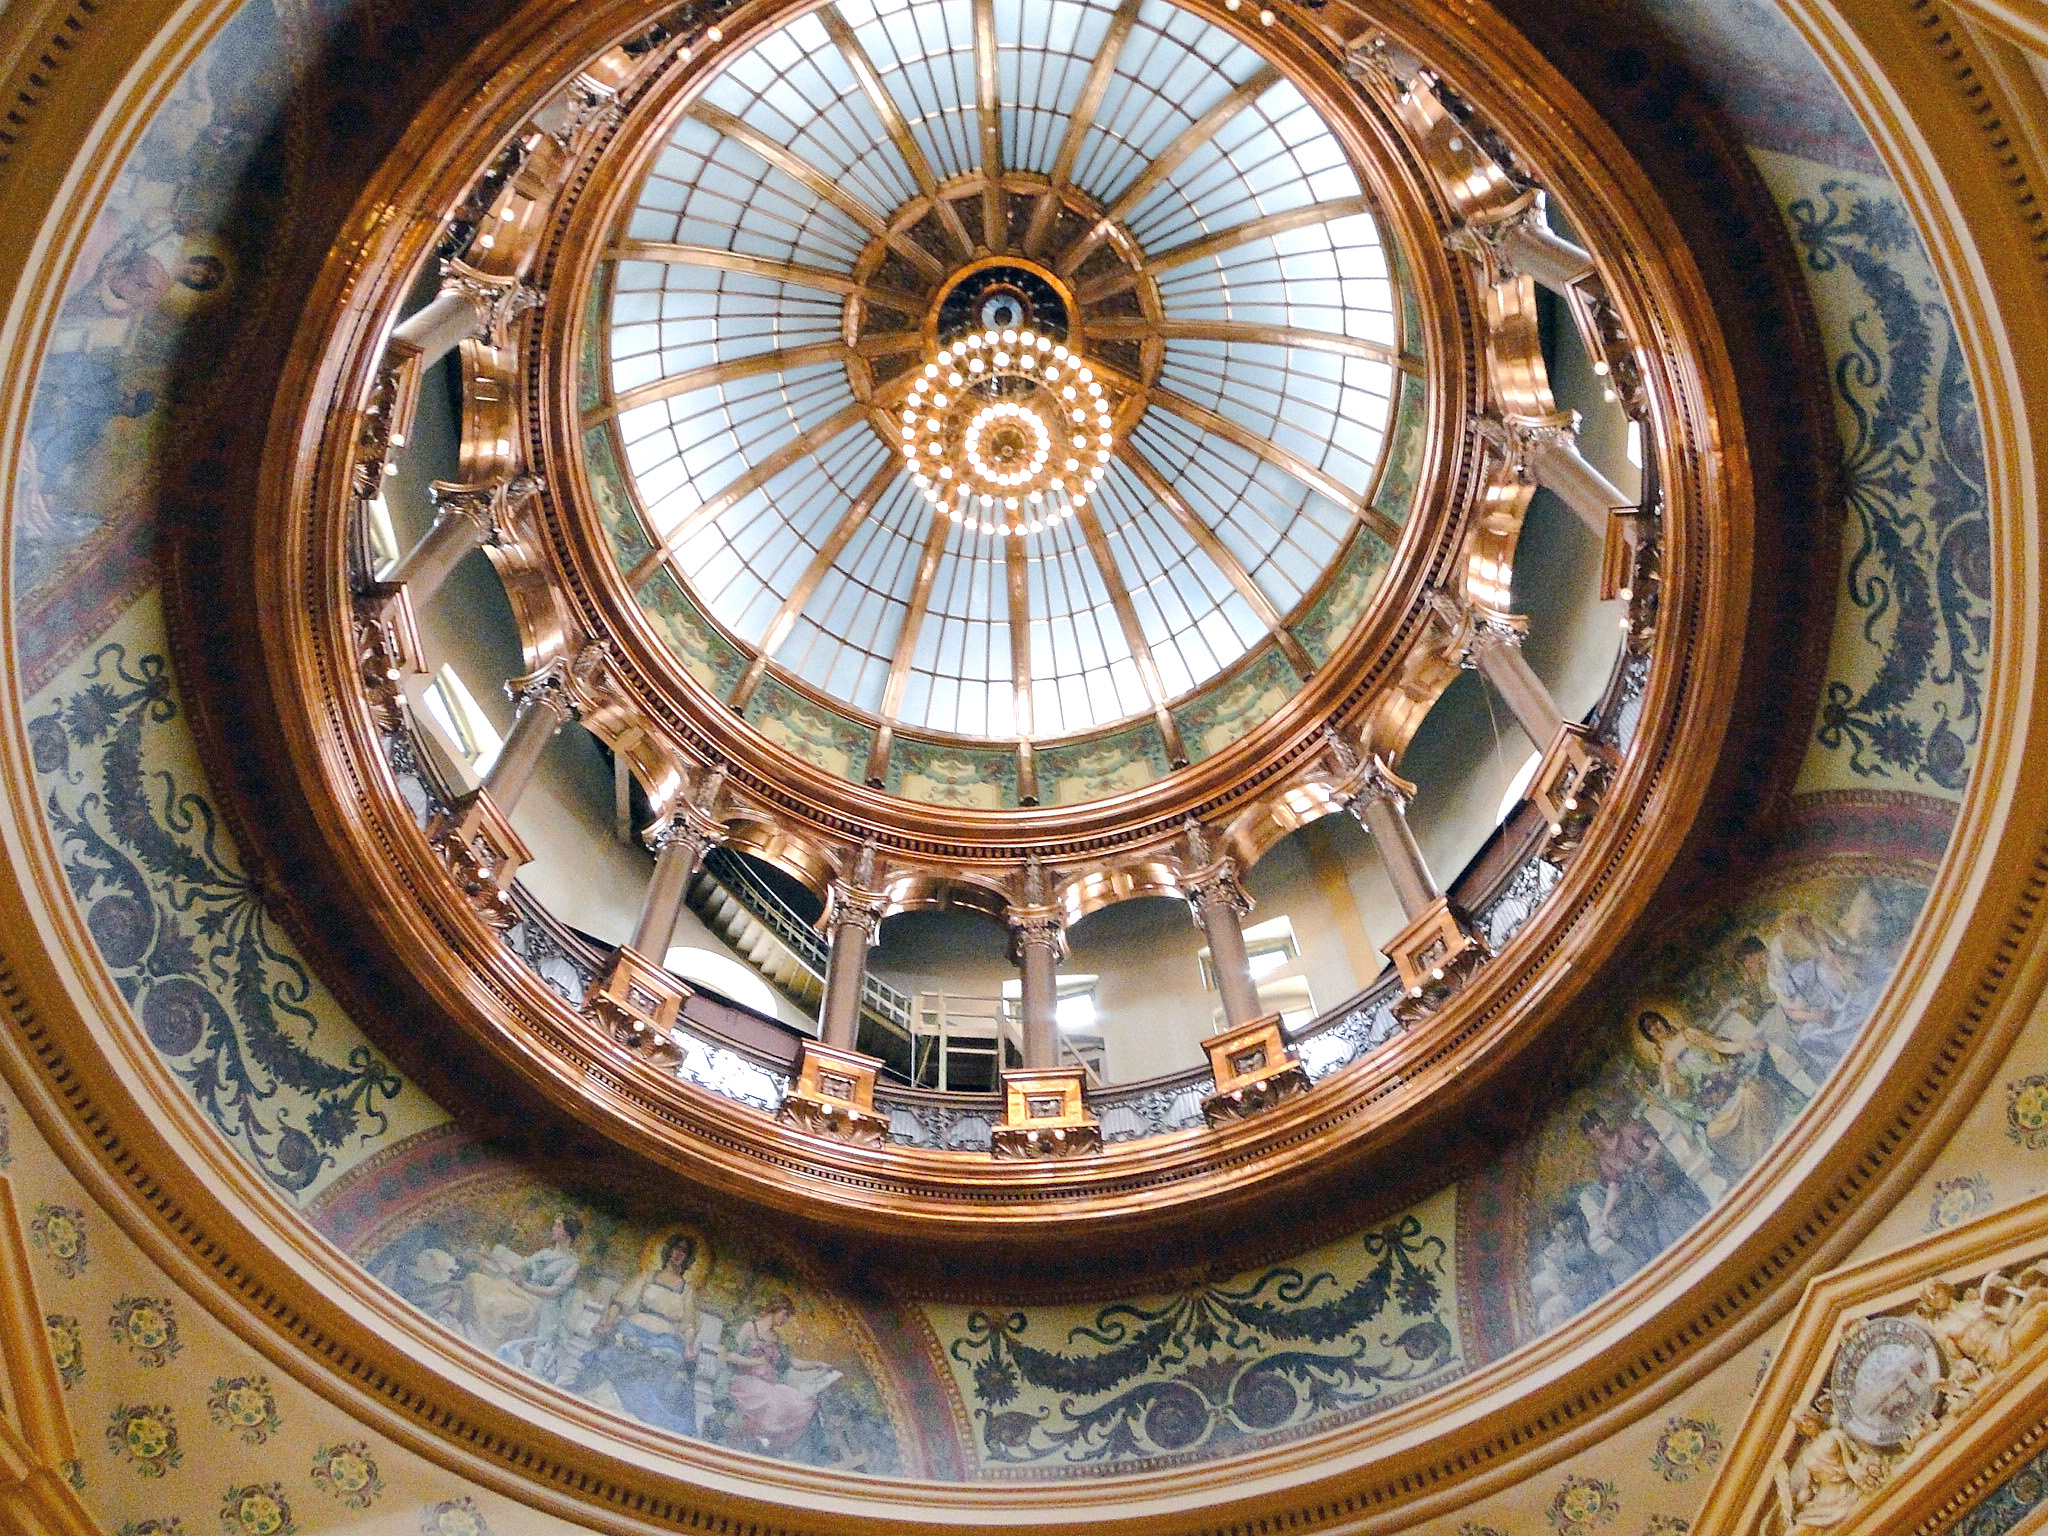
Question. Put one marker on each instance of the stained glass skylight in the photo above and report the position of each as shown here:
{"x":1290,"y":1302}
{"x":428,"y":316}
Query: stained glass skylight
{"x":1213,"y":259}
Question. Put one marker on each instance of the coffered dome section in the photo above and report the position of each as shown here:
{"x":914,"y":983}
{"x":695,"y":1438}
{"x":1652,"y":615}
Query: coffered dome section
{"x":1002,"y":405}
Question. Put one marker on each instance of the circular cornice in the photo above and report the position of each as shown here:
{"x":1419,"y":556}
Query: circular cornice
{"x":1963,"y":990}
{"x":1358,"y":1126}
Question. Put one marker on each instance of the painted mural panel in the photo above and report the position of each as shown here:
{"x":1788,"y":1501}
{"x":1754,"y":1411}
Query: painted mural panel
{"x":822,"y":737}
{"x":1903,"y":701}
{"x":1735,"y":1026}
{"x":627,"y":535}
{"x":703,"y":652}
{"x":221,"y":991}
{"x":940,"y":773}
{"x":1108,"y":765}
{"x":1262,"y":1356}
{"x":1228,"y":712}
{"x":674,"y":1316}
{"x":1731,"y":1031}
{"x":1337,"y":610}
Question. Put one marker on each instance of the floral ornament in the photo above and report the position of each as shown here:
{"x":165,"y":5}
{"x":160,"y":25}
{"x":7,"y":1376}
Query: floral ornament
{"x":245,"y":1404}
{"x":172,"y":1526}
{"x":59,"y":1230}
{"x":2026,"y":1111}
{"x":1667,"y":1525}
{"x":454,"y":1517}
{"x":256,"y":1509}
{"x":67,"y":1349}
{"x":1763,"y":1369}
{"x":348,"y":1472}
{"x":1581,"y":1504}
{"x":146,"y":1325}
{"x":1957,"y":1200}
{"x":147,"y":1436}
{"x":6,"y":1140}
{"x":1686,"y":1446}
{"x":74,"y":1473}
{"x":1474,"y":1528}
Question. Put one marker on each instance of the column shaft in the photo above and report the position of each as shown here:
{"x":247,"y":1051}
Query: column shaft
{"x":853,"y":930}
{"x":1225,"y":932}
{"x":674,"y":863}
{"x":1501,"y":662}
{"x":1579,"y":485}
{"x":443,"y":325}
{"x":1039,"y":959}
{"x":1551,"y":260}
{"x":533,"y":727}
{"x":429,"y":563}
{"x":1399,"y":852}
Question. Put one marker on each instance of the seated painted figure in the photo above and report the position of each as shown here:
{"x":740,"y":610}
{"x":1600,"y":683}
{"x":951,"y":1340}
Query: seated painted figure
{"x":647,"y":1345}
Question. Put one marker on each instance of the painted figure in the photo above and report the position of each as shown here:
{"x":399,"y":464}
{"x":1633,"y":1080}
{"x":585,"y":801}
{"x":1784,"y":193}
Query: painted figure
{"x":647,"y":1342}
{"x":1644,"y":1202}
{"x":512,"y":1303}
{"x":774,"y":1395}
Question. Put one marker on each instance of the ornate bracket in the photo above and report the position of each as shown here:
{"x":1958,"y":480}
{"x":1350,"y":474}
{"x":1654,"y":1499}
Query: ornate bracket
{"x":479,"y":849}
{"x":638,"y":1001}
{"x":834,"y":1095}
{"x":1044,"y":1116}
{"x":1567,"y":787}
{"x":1255,"y":1069}
{"x":387,"y":648}
{"x":1436,"y":956}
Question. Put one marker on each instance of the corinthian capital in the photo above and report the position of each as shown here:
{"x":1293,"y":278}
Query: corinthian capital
{"x":1523,"y":440}
{"x":1489,"y":238}
{"x":1377,"y":59}
{"x":490,"y":504}
{"x":1037,"y":926}
{"x":548,"y":688}
{"x":499,"y":301}
{"x":1216,"y":885}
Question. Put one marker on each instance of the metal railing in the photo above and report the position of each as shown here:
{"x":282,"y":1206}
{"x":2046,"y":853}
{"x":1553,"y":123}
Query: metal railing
{"x":730,"y":870}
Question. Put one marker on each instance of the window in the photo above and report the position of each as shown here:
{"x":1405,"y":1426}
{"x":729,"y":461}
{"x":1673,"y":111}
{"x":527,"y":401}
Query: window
{"x":1075,"y":1013}
{"x":1270,"y":945}
{"x":384,"y":549}
{"x":455,"y":709}
{"x":1276,"y":972}
{"x":1518,"y":786}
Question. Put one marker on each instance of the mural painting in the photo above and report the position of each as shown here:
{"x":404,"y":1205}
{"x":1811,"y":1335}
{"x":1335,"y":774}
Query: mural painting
{"x":820,"y":736}
{"x":1338,"y":608}
{"x":1354,"y":1326}
{"x":220,"y":991}
{"x":696,"y":1325}
{"x":677,"y":1318}
{"x":628,"y":538}
{"x":965,"y":777}
{"x":1088,"y":770}
{"x":1730,"y":1034}
{"x":1226,"y":713}
{"x":704,"y":653}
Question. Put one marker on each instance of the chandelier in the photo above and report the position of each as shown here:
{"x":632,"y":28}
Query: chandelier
{"x":1006,"y":431}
